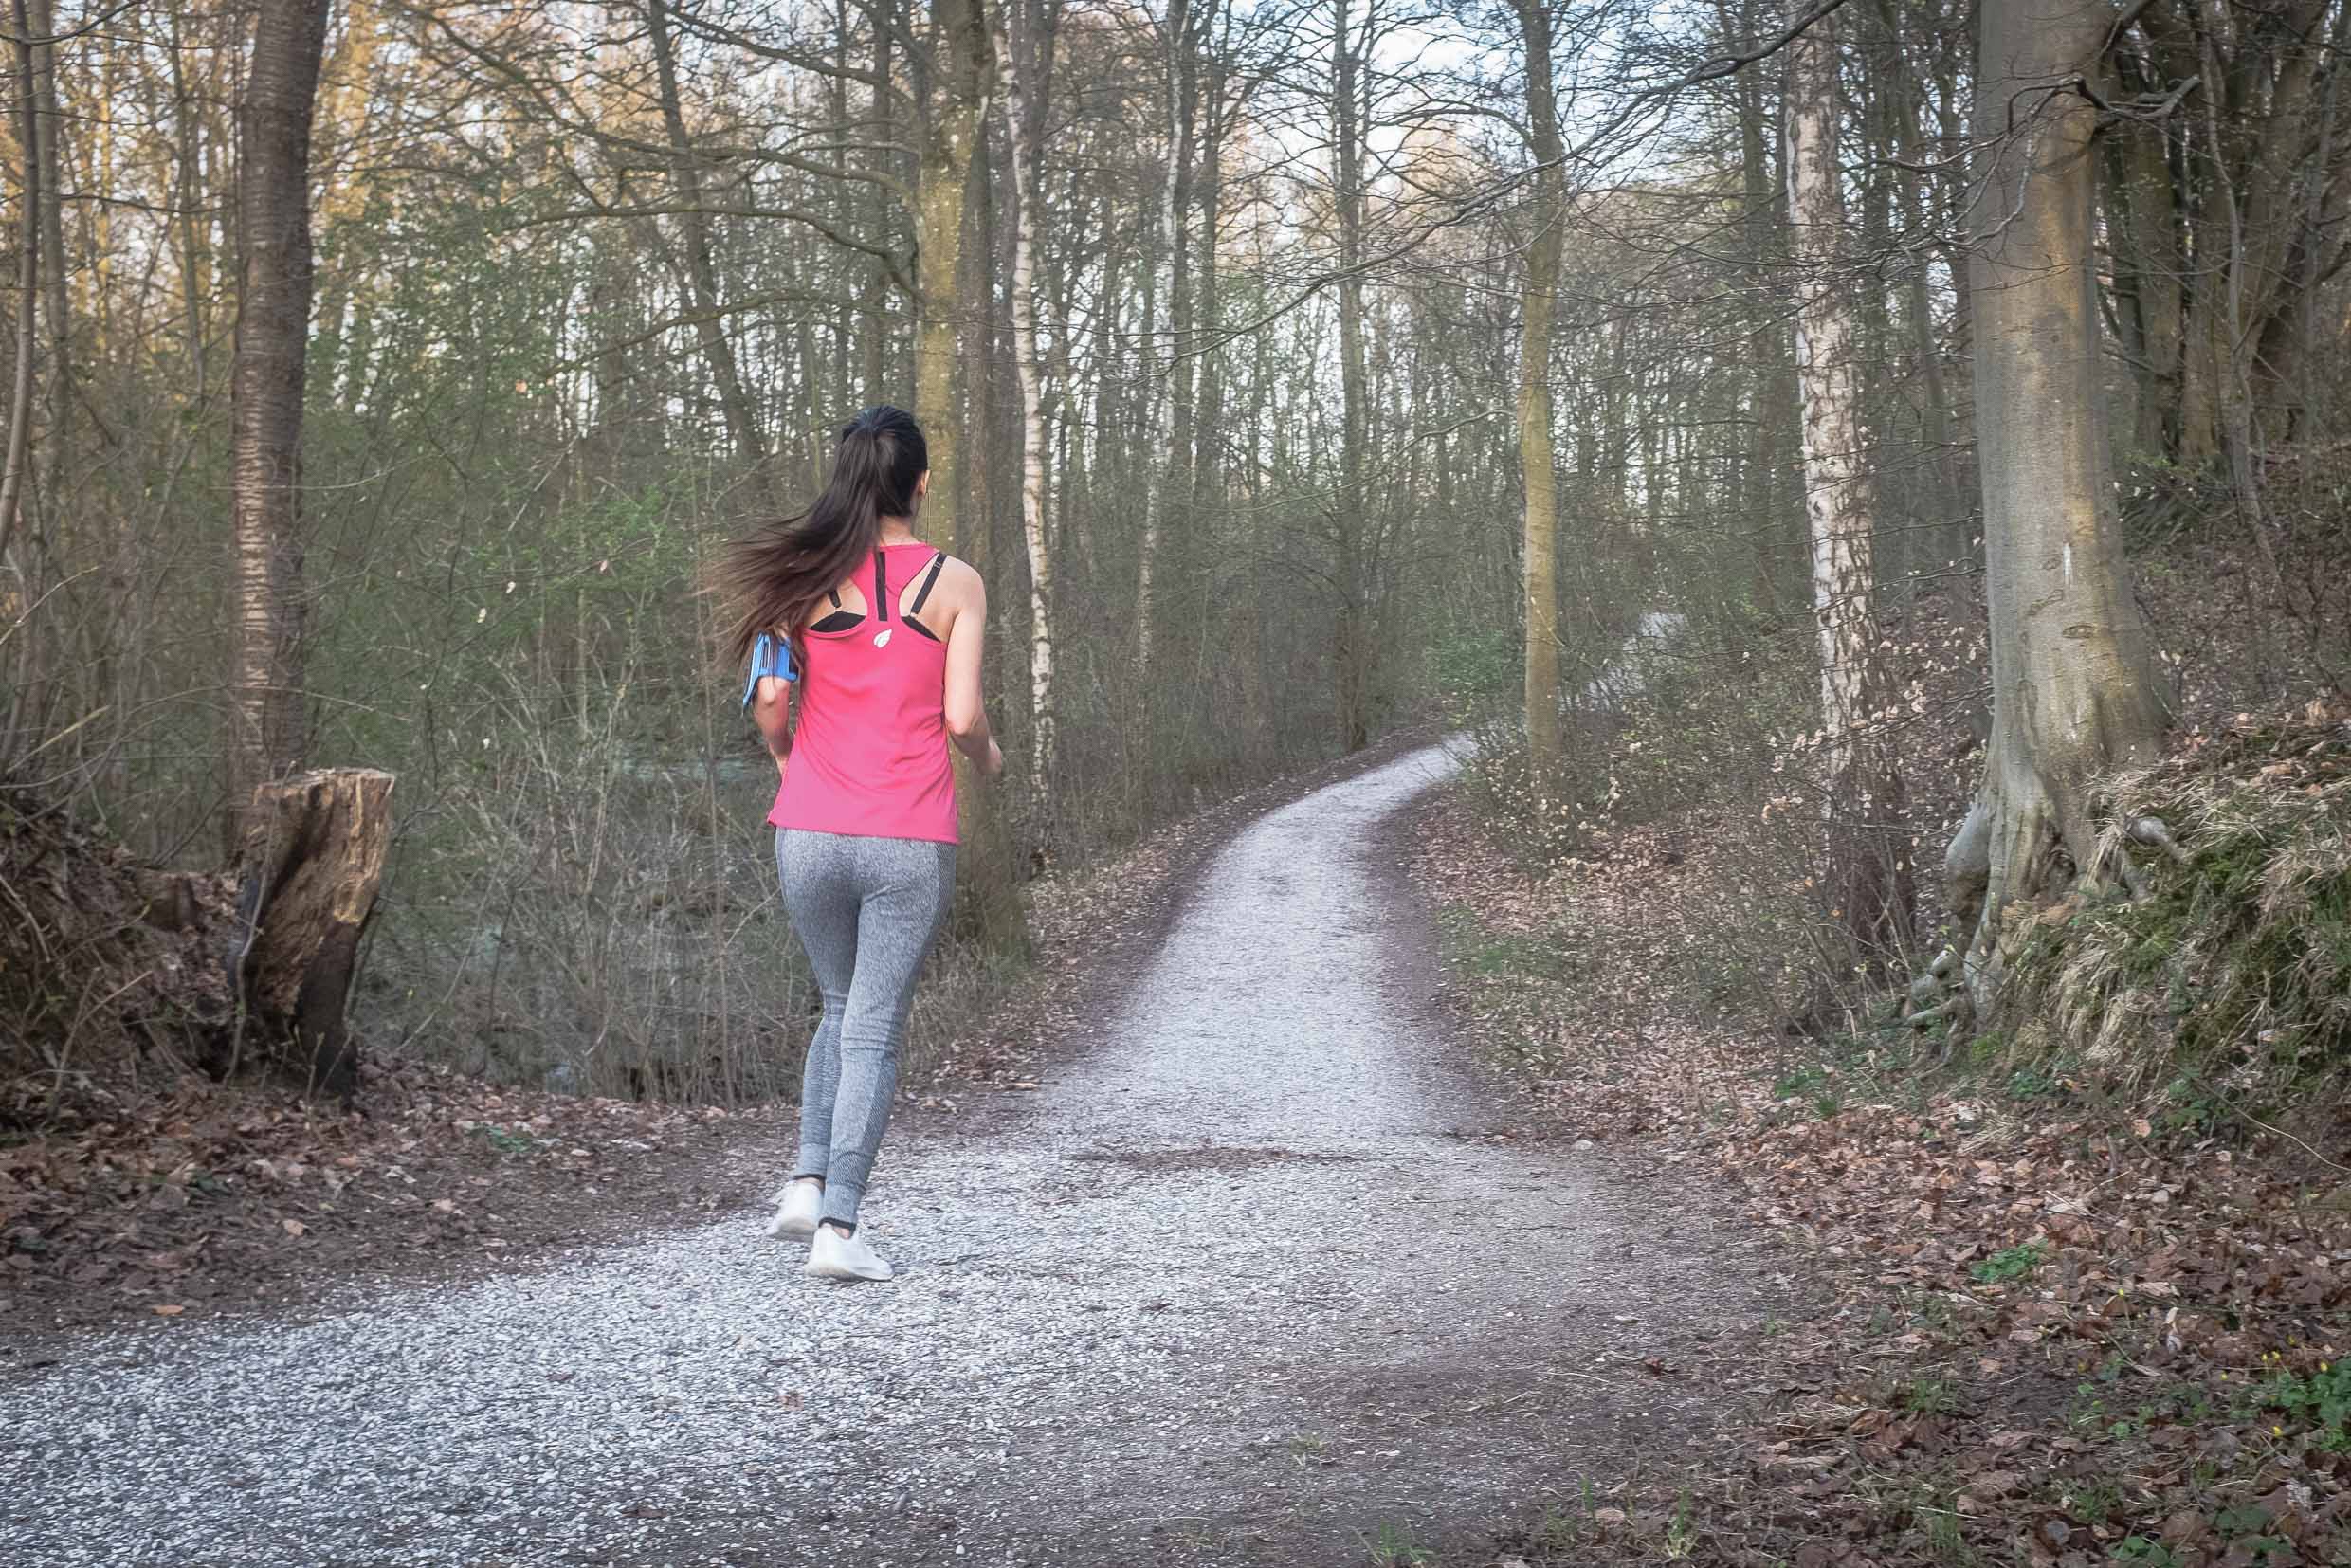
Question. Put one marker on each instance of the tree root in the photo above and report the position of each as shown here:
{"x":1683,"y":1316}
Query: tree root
{"x":2134,"y":880}
{"x":1949,"y":991}
{"x":1953,"y":1010}
{"x":1938,"y":996}
{"x":2151,"y":830}
{"x":2006,"y":856}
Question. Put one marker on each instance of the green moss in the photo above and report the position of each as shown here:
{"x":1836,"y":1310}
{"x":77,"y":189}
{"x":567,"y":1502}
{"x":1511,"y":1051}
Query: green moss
{"x":2235,"y":965}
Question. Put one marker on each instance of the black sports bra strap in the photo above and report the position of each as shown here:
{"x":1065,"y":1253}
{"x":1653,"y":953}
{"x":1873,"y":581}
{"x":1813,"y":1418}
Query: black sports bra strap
{"x":881,"y":588}
{"x":929,"y":579}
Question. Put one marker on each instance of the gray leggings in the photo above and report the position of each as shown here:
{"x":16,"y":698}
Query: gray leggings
{"x":866,"y":910}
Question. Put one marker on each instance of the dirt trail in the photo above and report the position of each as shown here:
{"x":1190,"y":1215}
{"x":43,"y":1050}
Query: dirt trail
{"x":1262,"y":1279}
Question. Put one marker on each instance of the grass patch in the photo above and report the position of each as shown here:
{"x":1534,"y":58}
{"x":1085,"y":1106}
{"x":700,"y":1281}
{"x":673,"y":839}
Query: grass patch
{"x":1393,"y":1546}
{"x":2009,"y":1264}
{"x":506,"y":1141}
{"x":1929,"y":1397}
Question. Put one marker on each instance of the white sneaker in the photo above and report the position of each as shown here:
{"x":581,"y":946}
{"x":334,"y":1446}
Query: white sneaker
{"x":796,"y":1209}
{"x":835,"y":1256}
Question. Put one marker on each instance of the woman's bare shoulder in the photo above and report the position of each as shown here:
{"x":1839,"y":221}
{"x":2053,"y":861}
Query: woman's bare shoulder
{"x":961,"y":576}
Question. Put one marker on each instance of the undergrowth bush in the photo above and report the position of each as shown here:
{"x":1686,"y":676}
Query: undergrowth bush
{"x":584,"y":908}
{"x":2231,"y":977}
{"x":1676,"y":715}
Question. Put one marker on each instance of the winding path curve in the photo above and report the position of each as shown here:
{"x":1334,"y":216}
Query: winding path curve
{"x":1260,"y":1280}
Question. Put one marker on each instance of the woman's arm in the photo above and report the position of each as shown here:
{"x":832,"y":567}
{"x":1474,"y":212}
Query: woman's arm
{"x":967,"y":719}
{"x":765,"y":697}
{"x":771,"y":710}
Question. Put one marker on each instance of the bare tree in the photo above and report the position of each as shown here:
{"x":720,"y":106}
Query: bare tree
{"x":1868,"y":881}
{"x":19,"y":434}
{"x":268,"y":733}
{"x":2074,"y":690}
{"x":1539,"y":306}
{"x":1024,"y":63}
{"x":1155,"y":343}
{"x":1350,"y":53}
{"x":957,"y":43}
{"x":954,"y":107}
{"x":742,"y":419}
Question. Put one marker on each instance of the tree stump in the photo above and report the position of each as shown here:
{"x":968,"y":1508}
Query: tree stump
{"x":308,"y":873}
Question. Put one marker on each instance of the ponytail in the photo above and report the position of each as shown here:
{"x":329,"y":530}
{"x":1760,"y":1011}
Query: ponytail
{"x":772,"y":580}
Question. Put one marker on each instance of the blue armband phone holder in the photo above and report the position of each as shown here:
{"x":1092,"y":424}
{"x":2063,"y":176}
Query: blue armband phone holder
{"x":770,"y":655}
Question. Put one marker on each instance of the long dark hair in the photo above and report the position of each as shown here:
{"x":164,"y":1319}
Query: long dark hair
{"x":772,"y":580}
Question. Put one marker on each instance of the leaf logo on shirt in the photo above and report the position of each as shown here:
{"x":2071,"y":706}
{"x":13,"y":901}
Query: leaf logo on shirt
{"x":881,"y":638}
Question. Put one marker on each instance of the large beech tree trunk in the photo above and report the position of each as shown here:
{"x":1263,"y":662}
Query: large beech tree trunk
{"x":2074,"y":689}
{"x":307,"y":874}
{"x":1539,"y":305}
{"x":268,"y":730}
{"x":1868,"y":886}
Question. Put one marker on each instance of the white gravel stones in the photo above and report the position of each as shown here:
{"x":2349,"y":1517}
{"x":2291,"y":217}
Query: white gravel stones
{"x":1232,"y":1290}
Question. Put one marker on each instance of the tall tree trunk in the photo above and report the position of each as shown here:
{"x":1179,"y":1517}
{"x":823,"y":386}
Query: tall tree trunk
{"x":871,"y":341}
{"x":1771,"y":394}
{"x":1352,"y":633}
{"x":267,"y":729}
{"x":19,"y":434}
{"x":702,"y":273}
{"x":1539,"y":304}
{"x":951,"y":141}
{"x":1943,"y":528}
{"x":2075,"y":688}
{"x":1181,"y":386}
{"x":1208,"y":484}
{"x":1158,"y":349}
{"x":186,"y":190}
{"x":1024,"y":67}
{"x":58,"y":436}
{"x":1868,"y":881}
{"x":2151,"y":231}
{"x":20,"y":548}
{"x":1109,"y":408}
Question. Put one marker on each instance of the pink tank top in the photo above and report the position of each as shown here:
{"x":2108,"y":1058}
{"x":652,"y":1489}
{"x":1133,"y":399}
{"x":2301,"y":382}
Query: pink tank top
{"x":869,"y":755}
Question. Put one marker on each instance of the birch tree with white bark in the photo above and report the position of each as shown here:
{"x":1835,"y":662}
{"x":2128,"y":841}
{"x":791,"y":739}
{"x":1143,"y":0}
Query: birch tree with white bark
{"x":1866,"y":879}
{"x":1023,"y":62}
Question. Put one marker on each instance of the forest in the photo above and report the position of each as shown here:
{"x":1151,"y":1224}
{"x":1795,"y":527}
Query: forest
{"x":385,"y":378}
{"x":1862,"y":485}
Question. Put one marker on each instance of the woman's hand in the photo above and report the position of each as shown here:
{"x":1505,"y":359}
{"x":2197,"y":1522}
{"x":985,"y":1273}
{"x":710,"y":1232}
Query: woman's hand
{"x":994,"y":765}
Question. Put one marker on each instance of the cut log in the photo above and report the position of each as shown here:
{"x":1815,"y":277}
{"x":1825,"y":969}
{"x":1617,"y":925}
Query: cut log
{"x":307,"y":874}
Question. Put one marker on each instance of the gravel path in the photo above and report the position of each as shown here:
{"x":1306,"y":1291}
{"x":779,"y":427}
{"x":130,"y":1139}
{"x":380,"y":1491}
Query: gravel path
{"x":1260,"y":1278}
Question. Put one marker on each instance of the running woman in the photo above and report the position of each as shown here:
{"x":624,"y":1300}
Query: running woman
{"x":881,"y":635}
